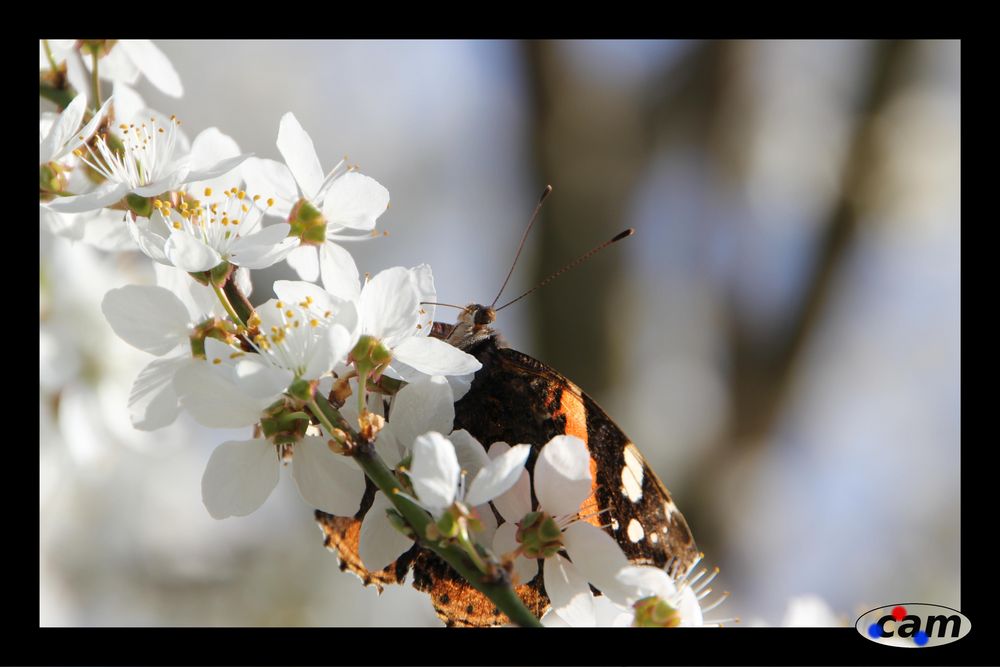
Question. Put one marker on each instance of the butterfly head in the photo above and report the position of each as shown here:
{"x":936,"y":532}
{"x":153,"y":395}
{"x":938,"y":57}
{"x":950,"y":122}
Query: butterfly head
{"x":474,"y":325}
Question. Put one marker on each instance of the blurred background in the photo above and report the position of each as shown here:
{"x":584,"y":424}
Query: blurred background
{"x":780,"y":337}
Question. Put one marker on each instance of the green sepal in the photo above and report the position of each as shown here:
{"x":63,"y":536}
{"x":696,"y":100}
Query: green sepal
{"x":220,"y":274}
{"x":307,"y":223}
{"x":302,"y":390}
{"x":141,"y":206}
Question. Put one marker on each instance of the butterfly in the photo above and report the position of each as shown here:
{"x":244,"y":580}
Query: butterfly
{"x":515,"y":398}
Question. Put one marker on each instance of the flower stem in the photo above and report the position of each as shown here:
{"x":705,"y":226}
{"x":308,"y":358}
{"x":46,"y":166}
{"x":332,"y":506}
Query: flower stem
{"x":95,"y":82}
{"x":500,"y":592}
{"x":237,"y":299}
{"x":224,"y":300}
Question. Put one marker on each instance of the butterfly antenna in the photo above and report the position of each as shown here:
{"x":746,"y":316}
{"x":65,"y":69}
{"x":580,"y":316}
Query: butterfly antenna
{"x":582,"y":258}
{"x":520,"y":246}
{"x":435,"y":303}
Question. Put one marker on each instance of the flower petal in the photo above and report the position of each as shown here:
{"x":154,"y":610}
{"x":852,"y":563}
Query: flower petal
{"x":498,"y":476}
{"x":150,"y":234}
{"x":263,"y":249}
{"x":424,"y":405}
{"x":214,"y":169}
{"x":154,"y":65}
{"x":305,"y":261}
{"x":355,"y":201}
{"x":470,"y":453}
{"x":259,"y":379}
{"x":505,"y":542}
{"x":153,"y":403}
{"x":269,"y":178}
{"x":62,"y":130}
{"x":87,"y":130}
{"x":338,"y":271}
{"x":210,"y":146}
{"x":239,"y":477}
{"x":643,"y":580}
{"x":150,"y":318}
{"x":569,"y":592}
{"x":562,"y":475}
{"x":334,"y":344}
{"x":380,"y":543}
{"x":516,"y":501}
{"x":213,"y":401}
{"x":388,"y":305}
{"x":598,"y":557}
{"x":327,"y":481}
{"x":434,"y":471}
{"x":435,"y":357}
{"x":190,"y":254}
{"x":297,"y":148}
{"x":107,"y":193}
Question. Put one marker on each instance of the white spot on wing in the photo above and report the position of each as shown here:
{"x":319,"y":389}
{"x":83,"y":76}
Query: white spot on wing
{"x":632,"y":474}
{"x":614,"y":524}
{"x":635,"y":531}
{"x":654,"y":538}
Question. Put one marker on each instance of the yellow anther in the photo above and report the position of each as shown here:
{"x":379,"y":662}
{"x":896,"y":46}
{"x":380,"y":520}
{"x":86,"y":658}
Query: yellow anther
{"x":270,"y":202}
{"x":241,"y":194}
{"x":289,"y":314}
{"x":327,"y":314}
{"x":178,"y":225}
{"x":256,"y":197}
{"x":244,"y":207}
{"x":157,"y":203}
{"x":77,"y":152}
{"x":314,"y":323}
{"x":279,"y":305}
{"x":216,"y":361}
{"x":161,"y":130}
{"x":208,"y":192}
{"x":123,"y":126}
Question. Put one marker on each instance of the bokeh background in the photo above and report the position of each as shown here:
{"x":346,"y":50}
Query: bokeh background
{"x":780,"y":337}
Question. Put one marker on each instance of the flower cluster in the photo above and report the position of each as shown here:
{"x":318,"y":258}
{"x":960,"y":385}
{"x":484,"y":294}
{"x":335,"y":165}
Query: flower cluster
{"x":336,"y":380}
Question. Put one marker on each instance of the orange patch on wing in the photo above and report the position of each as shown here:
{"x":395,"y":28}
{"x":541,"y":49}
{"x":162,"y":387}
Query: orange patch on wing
{"x":571,"y":407}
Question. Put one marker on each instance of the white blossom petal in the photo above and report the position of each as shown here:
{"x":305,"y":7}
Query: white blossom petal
{"x":154,"y":65}
{"x":562,"y":475}
{"x":62,"y":129}
{"x":355,"y":201}
{"x":380,"y":543}
{"x":297,"y":148}
{"x":434,"y":471}
{"x":422,"y":406}
{"x":263,"y":249}
{"x":210,"y":146}
{"x":269,"y":178}
{"x":150,"y":318}
{"x":259,"y":379}
{"x":213,"y":401}
{"x":642,"y":581}
{"x":212,"y":170}
{"x":435,"y":357}
{"x":569,"y":592}
{"x":153,"y":403}
{"x":190,"y":254}
{"x":104,"y":195}
{"x":598,"y":557}
{"x":498,"y":476}
{"x":305,"y":261}
{"x":388,"y":305}
{"x":505,"y":542}
{"x":338,"y":271}
{"x":327,"y":481}
{"x":470,"y":453}
{"x":334,"y":345}
{"x":239,"y":477}
{"x":516,"y":501}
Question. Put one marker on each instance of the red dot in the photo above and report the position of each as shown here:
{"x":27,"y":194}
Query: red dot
{"x":898,"y":613}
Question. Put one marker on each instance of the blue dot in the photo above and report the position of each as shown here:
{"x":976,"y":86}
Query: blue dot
{"x":920,"y":638}
{"x":874,"y":631}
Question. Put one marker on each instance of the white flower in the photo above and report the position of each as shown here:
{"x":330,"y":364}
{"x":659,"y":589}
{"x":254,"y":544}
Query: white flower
{"x":156,"y":159}
{"x":303,"y":334}
{"x":420,"y":413}
{"x":389,"y":310}
{"x":131,"y":58}
{"x":200,"y":236}
{"x":158,"y":321}
{"x":240,"y":475}
{"x":342,"y":206}
{"x":65,"y":134}
{"x":562,"y":483}
{"x":657,"y":599}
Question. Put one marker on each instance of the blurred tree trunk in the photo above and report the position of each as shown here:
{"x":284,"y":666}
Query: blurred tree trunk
{"x":590,"y":145}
